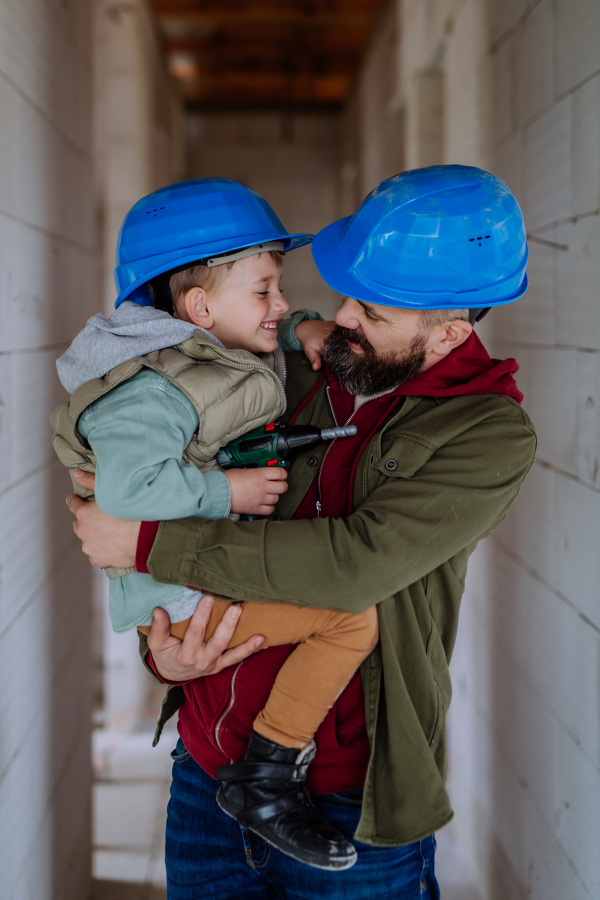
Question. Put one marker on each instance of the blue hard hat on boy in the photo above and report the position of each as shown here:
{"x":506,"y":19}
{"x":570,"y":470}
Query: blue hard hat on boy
{"x":190,"y":221}
{"x":444,"y":237}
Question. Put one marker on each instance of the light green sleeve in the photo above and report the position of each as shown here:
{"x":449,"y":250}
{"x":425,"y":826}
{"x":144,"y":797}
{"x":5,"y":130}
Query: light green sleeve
{"x":138,"y":433}
{"x":286,"y":329}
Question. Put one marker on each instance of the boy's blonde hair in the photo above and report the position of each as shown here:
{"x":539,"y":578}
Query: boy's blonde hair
{"x":207,"y":277}
{"x":166,"y":290}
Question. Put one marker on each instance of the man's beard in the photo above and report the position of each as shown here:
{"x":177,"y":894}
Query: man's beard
{"x":371,"y":372}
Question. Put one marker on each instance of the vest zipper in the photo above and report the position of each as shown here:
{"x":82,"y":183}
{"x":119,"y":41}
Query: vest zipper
{"x":240,"y":365}
{"x":230,"y":706}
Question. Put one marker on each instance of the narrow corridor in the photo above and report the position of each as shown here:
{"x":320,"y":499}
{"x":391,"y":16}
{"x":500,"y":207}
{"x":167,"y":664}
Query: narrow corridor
{"x":312,"y":103}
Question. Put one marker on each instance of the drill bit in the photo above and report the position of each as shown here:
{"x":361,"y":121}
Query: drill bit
{"x":330,"y":434}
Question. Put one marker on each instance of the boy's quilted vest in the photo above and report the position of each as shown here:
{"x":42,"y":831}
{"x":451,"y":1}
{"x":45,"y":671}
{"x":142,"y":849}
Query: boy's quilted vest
{"x":233,"y":391}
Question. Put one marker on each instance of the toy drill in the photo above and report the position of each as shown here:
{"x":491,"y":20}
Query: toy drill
{"x":276,"y":445}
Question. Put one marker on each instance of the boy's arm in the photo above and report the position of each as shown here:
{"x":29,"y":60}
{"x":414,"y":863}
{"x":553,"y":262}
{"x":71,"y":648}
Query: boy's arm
{"x":286,"y":329}
{"x":138,"y":433}
{"x":305,"y":330}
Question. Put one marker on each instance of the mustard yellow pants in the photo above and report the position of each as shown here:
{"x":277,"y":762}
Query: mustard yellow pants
{"x":331,"y":647}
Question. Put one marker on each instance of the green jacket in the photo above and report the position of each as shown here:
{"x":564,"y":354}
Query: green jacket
{"x":460,"y":464}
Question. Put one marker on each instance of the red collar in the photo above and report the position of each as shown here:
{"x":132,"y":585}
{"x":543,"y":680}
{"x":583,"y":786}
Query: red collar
{"x":467,"y":370}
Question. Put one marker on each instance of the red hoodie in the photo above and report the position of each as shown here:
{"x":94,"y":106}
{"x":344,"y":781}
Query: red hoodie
{"x":216,"y":719}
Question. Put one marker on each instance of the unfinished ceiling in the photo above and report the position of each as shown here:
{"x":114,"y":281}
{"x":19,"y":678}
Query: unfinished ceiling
{"x":265,"y":53}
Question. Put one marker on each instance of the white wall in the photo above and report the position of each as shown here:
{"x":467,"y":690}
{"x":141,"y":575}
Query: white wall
{"x":522,"y":98}
{"x":292,"y":160}
{"x":138,"y":147}
{"x":138,"y":122}
{"x":373,"y":122}
{"x":46,"y":292}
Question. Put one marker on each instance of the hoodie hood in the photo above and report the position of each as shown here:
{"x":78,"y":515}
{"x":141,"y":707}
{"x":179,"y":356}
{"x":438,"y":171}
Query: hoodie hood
{"x":131,"y":331}
{"x":467,"y":370}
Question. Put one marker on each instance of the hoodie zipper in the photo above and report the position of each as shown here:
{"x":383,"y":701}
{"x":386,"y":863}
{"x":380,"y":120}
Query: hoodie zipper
{"x":347,"y":422}
{"x":230,"y":706}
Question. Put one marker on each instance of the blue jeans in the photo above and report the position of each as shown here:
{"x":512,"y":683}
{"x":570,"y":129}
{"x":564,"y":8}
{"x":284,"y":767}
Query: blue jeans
{"x":209,"y":856}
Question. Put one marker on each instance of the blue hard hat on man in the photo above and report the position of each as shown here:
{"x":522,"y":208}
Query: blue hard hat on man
{"x":444,"y":237}
{"x":210,"y":220}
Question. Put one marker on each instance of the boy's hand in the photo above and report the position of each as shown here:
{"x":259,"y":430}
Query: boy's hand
{"x":312,"y":334}
{"x":256,"y":491}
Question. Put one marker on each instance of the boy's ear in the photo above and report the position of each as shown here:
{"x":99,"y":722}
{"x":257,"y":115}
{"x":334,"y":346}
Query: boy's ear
{"x":195,"y":303}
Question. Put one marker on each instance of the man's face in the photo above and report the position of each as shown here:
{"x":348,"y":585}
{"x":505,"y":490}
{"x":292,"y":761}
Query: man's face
{"x":375,"y":348}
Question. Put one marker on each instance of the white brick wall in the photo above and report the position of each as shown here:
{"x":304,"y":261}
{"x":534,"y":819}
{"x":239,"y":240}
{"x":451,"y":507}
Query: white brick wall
{"x":522,"y":99}
{"x":46,"y":293}
{"x":138,"y":147}
{"x":138,"y":121}
{"x":372,"y":146}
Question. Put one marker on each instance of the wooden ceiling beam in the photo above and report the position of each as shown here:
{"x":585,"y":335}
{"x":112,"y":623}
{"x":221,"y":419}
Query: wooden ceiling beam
{"x":330,"y":37}
{"x":315,"y":11}
{"x":267,"y":91}
{"x":246,"y":66}
{"x":271,"y":50}
{"x":295,"y":52}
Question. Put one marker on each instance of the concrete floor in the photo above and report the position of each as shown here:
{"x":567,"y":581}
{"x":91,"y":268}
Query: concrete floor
{"x":130,"y":802}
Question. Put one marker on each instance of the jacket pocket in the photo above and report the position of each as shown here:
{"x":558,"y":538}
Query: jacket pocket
{"x":438,"y":663}
{"x":440,"y":719}
{"x":406,"y":456}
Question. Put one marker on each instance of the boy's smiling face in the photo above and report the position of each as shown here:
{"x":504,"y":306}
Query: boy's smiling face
{"x":242,"y":310}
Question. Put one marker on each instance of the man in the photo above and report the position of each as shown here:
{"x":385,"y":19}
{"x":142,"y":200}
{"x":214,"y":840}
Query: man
{"x":388,"y":517}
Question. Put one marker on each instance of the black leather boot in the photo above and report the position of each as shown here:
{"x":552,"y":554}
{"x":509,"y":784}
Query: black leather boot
{"x":266,"y":794}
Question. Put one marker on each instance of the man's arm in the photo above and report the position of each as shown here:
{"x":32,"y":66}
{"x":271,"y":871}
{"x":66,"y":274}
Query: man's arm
{"x":405,"y":529}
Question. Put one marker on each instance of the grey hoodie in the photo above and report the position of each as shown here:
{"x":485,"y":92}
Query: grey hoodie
{"x":131,"y":331}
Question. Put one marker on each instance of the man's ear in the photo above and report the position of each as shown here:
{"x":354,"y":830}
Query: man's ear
{"x":195,"y":303}
{"x":450,"y":336}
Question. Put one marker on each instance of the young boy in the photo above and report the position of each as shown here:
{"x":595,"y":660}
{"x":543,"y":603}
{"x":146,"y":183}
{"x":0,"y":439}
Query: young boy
{"x":155,"y":389}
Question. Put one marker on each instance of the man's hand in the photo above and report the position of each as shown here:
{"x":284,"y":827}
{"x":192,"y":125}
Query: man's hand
{"x":312,"y":334}
{"x":256,"y":491}
{"x":191,"y":658}
{"x":107,"y":541}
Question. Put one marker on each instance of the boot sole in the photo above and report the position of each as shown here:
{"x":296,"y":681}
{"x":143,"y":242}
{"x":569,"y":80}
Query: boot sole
{"x":298,"y":855}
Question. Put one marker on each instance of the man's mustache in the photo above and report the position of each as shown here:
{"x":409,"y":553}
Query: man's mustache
{"x":349,"y":334}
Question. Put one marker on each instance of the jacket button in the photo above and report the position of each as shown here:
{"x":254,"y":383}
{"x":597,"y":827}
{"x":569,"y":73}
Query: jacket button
{"x":275,"y":518}
{"x":312,"y":461}
{"x":391,"y":465}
